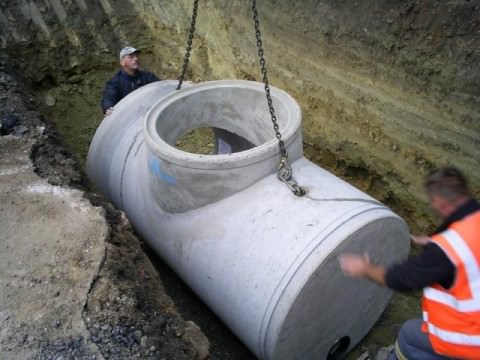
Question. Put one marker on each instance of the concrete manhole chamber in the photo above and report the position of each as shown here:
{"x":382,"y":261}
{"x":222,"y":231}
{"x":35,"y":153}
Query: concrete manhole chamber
{"x":264,"y":260}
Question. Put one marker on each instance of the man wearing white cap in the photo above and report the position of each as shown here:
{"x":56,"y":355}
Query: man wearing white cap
{"x":127,"y":79}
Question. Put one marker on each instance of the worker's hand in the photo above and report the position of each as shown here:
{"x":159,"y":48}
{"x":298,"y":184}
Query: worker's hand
{"x":420,"y":239}
{"x":109,"y":111}
{"x":355,"y":266}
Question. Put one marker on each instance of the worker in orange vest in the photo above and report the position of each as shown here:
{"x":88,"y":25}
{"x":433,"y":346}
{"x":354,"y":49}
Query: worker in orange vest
{"x":448,"y":271}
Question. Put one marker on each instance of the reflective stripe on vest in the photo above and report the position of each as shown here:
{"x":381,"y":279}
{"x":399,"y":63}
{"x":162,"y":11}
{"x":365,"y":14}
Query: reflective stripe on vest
{"x":453,"y":337}
{"x":472,"y":272}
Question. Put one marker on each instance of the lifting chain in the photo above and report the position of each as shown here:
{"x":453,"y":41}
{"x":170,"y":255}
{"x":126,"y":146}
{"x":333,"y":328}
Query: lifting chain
{"x":189,"y":44}
{"x":284,"y":170}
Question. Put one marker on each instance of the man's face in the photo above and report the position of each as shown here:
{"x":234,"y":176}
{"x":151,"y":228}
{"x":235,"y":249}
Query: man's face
{"x":130,"y":62}
{"x":441,"y":206}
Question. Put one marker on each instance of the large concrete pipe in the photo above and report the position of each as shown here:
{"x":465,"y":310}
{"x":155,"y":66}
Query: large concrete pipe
{"x":264,"y":260}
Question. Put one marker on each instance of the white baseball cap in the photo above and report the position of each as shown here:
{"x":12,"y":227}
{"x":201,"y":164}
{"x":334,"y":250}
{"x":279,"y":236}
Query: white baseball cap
{"x":127,"y":51}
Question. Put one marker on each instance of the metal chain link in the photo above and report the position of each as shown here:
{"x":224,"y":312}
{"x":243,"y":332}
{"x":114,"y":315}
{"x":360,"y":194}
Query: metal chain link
{"x":189,"y":44}
{"x":284,"y":171}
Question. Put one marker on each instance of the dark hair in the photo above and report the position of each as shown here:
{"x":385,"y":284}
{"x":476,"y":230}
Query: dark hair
{"x":447,"y":182}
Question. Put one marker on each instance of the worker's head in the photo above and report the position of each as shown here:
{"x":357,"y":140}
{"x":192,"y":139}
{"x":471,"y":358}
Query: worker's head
{"x":129,"y":59}
{"x":447,"y":190}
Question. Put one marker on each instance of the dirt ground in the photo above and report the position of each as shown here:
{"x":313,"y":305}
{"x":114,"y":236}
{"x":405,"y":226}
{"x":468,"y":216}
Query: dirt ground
{"x":76,"y":283}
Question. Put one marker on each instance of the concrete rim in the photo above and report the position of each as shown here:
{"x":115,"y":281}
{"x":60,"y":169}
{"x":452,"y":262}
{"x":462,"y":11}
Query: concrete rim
{"x":259,"y":153}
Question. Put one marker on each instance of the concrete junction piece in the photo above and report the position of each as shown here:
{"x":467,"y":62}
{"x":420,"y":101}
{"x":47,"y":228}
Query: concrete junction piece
{"x":264,"y":260}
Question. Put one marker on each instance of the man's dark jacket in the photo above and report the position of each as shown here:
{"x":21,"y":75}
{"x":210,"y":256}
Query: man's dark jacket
{"x":122,"y":84}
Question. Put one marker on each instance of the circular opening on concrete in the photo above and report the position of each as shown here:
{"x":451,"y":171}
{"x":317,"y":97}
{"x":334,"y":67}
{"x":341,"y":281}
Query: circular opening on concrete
{"x":241,"y":110}
{"x":236,"y":107}
{"x":339,"y":348}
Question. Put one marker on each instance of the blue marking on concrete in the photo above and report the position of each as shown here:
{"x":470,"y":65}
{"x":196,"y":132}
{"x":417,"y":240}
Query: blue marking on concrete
{"x":157,"y":170}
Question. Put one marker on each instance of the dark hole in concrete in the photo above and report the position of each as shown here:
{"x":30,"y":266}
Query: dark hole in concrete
{"x":338,"y":350}
{"x":227,"y":142}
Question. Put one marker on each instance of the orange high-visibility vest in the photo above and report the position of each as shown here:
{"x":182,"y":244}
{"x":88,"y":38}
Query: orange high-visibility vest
{"x":452,"y":317}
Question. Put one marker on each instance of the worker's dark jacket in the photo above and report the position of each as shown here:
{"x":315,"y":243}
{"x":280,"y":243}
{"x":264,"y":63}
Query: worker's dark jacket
{"x":122,"y":84}
{"x":431,"y":266}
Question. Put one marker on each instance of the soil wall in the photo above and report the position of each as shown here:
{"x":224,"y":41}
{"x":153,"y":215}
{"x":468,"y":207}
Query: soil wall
{"x":389,"y":90}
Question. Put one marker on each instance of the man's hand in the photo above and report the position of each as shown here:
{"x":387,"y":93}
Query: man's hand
{"x":355,"y":266}
{"x":420,"y":239}
{"x":109,"y":111}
